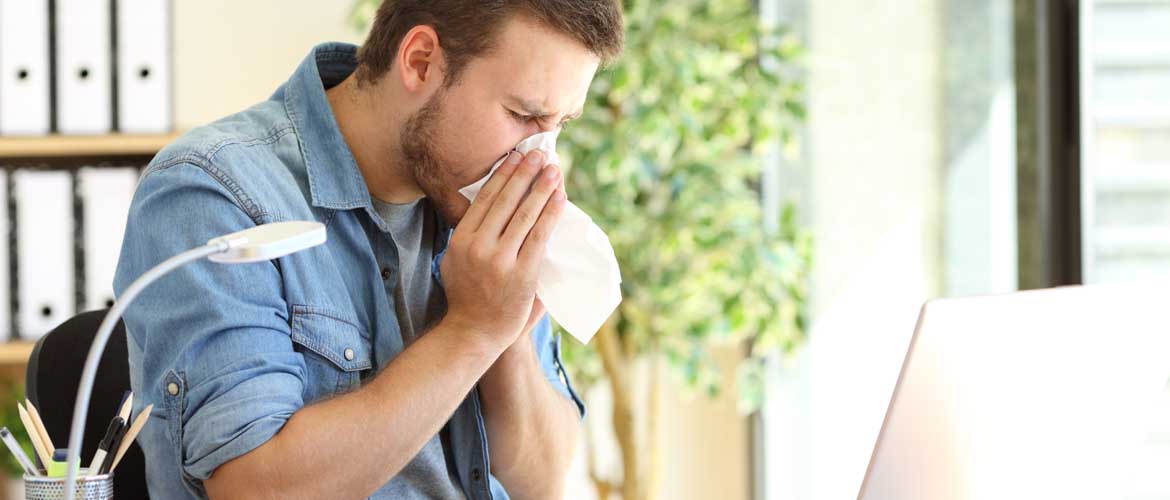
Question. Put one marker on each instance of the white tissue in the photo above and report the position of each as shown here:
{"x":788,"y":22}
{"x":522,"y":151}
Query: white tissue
{"x":579,"y":282}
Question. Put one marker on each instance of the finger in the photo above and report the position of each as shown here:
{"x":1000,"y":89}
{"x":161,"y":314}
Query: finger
{"x":534,"y":316}
{"x":530,"y":209}
{"x":483,"y":201}
{"x":511,"y":194}
{"x":534,"y":246}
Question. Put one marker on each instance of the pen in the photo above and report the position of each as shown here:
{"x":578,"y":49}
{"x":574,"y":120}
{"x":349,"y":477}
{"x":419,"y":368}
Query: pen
{"x":99,"y":458}
{"x":57,"y":468}
{"x":108,"y":460}
{"x":131,"y":434}
{"x":16,"y":450}
{"x":124,"y":407}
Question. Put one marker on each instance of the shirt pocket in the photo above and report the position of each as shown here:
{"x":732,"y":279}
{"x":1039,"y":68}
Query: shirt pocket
{"x":336,"y":351}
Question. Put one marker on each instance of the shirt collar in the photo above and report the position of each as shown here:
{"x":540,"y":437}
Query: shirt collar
{"x":335,"y":182}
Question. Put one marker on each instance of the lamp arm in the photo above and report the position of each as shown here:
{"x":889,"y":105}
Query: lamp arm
{"x":89,"y":373}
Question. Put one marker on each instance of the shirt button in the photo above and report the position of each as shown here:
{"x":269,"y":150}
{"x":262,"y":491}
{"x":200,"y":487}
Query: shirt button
{"x":475,"y":474}
{"x":385,"y":274}
{"x":349,"y":354}
{"x":173,"y":388}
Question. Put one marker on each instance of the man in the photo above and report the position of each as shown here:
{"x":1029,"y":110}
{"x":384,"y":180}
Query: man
{"x":407,"y":357}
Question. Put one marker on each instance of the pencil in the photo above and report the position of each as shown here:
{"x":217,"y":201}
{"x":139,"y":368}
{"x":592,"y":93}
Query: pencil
{"x":36,"y":418}
{"x":38,"y":443}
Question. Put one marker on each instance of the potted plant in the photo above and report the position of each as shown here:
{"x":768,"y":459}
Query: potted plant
{"x":667,"y":158}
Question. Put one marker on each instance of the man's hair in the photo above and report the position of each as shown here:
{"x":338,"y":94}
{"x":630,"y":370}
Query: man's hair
{"x":469,"y":28}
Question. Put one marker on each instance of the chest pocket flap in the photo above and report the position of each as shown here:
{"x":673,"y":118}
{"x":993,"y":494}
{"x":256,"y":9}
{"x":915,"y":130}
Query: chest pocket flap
{"x":339,"y":341}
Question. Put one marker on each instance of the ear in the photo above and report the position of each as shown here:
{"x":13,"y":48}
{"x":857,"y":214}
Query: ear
{"x":420,"y":59}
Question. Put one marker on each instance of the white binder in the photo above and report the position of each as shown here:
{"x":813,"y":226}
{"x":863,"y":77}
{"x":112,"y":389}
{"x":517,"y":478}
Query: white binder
{"x":5,"y":296}
{"x":24,"y":67}
{"x":143,"y":65}
{"x":44,"y":250}
{"x":105,"y":196}
{"x":84,"y":81}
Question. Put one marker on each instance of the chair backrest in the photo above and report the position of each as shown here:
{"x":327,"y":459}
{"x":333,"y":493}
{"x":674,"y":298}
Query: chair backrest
{"x":54,"y":370}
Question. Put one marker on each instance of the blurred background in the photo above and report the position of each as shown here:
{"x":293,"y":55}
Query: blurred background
{"x":785,"y":182}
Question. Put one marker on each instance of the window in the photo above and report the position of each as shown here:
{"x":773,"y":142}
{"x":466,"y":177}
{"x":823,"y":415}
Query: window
{"x":1125,"y":174}
{"x":1126,"y":115}
{"x":906,"y":178}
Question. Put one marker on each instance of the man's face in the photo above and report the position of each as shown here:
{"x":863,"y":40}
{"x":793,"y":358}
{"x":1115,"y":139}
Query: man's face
{"x":533,"y":81}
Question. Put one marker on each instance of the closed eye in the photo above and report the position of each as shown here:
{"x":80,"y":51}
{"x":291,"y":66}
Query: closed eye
{"x":523,"y":118}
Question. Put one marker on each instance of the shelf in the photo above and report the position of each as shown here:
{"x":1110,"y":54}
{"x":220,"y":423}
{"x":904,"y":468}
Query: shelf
{"x":15,"y":353}
{"x":71,"y":150}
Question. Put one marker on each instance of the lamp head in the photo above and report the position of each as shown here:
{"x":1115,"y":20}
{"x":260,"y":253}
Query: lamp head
{"x":268,"y":241}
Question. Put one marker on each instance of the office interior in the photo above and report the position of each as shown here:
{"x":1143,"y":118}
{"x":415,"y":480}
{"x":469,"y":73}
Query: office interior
{"x":927,"y":149}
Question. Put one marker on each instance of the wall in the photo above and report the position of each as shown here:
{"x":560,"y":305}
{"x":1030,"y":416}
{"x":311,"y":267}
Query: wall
{"x":705,"y":442}
{"x":230,"y":55}
{"x":906,"y":180}
{"x":705,"y":452}
{"x":874,"y":151}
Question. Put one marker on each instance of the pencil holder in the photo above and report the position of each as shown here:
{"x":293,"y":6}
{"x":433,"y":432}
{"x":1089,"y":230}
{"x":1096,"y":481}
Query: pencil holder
{"x":53,"y":488}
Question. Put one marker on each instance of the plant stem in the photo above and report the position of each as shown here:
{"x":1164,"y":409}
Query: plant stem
{"x":617,"y":371}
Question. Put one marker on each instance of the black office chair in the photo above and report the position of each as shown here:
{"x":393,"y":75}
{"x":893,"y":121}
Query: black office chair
{"x":54,"y":370}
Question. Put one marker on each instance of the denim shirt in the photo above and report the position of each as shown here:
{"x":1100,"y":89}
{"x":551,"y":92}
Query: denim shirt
{"x":227,"y":353}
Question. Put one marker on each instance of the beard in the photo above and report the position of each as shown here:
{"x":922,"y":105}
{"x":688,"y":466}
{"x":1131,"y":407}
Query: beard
{"x":421,"y":151}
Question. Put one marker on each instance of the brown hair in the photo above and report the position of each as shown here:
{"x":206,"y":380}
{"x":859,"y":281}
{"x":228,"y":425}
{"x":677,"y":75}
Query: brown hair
{"x":467,"y":28}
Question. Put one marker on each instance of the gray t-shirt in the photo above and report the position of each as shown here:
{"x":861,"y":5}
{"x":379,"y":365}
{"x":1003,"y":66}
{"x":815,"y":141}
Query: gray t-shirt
{"x":417,"y":303}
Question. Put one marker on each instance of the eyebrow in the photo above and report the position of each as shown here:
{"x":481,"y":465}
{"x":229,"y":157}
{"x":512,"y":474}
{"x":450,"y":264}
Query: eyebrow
{"x":535,"y":109}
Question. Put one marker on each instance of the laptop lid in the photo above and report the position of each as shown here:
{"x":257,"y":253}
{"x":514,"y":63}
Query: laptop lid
{"x":1039,"y":394}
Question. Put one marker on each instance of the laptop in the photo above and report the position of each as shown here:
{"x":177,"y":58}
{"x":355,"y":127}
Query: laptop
{"x":1047,"y":394}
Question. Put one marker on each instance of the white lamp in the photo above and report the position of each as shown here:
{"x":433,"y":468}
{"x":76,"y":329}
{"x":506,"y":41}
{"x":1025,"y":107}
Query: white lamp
{"x":257,"y":244}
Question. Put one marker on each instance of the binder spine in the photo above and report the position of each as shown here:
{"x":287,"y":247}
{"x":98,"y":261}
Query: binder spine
{"x":78,"y":242}
{"x":115,"y":123}
{"x":54,"y":126}
{"x":13,"y":275}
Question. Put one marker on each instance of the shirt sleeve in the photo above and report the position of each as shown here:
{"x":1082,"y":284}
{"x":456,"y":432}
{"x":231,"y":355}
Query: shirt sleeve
{"x":219,"y":333}
{"x":548,"y":350}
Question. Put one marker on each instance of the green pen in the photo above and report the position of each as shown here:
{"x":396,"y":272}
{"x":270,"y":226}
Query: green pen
{"x":56,"y":468}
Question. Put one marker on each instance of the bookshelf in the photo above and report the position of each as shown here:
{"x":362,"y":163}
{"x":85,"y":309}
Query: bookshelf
{"x":61,"y":151}
{"x":15,"y":353}
{"x":75,"y":151}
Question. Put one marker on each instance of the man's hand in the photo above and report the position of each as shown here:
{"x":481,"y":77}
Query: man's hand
{"x":489,"y":276}
{"x":494,"y":256}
